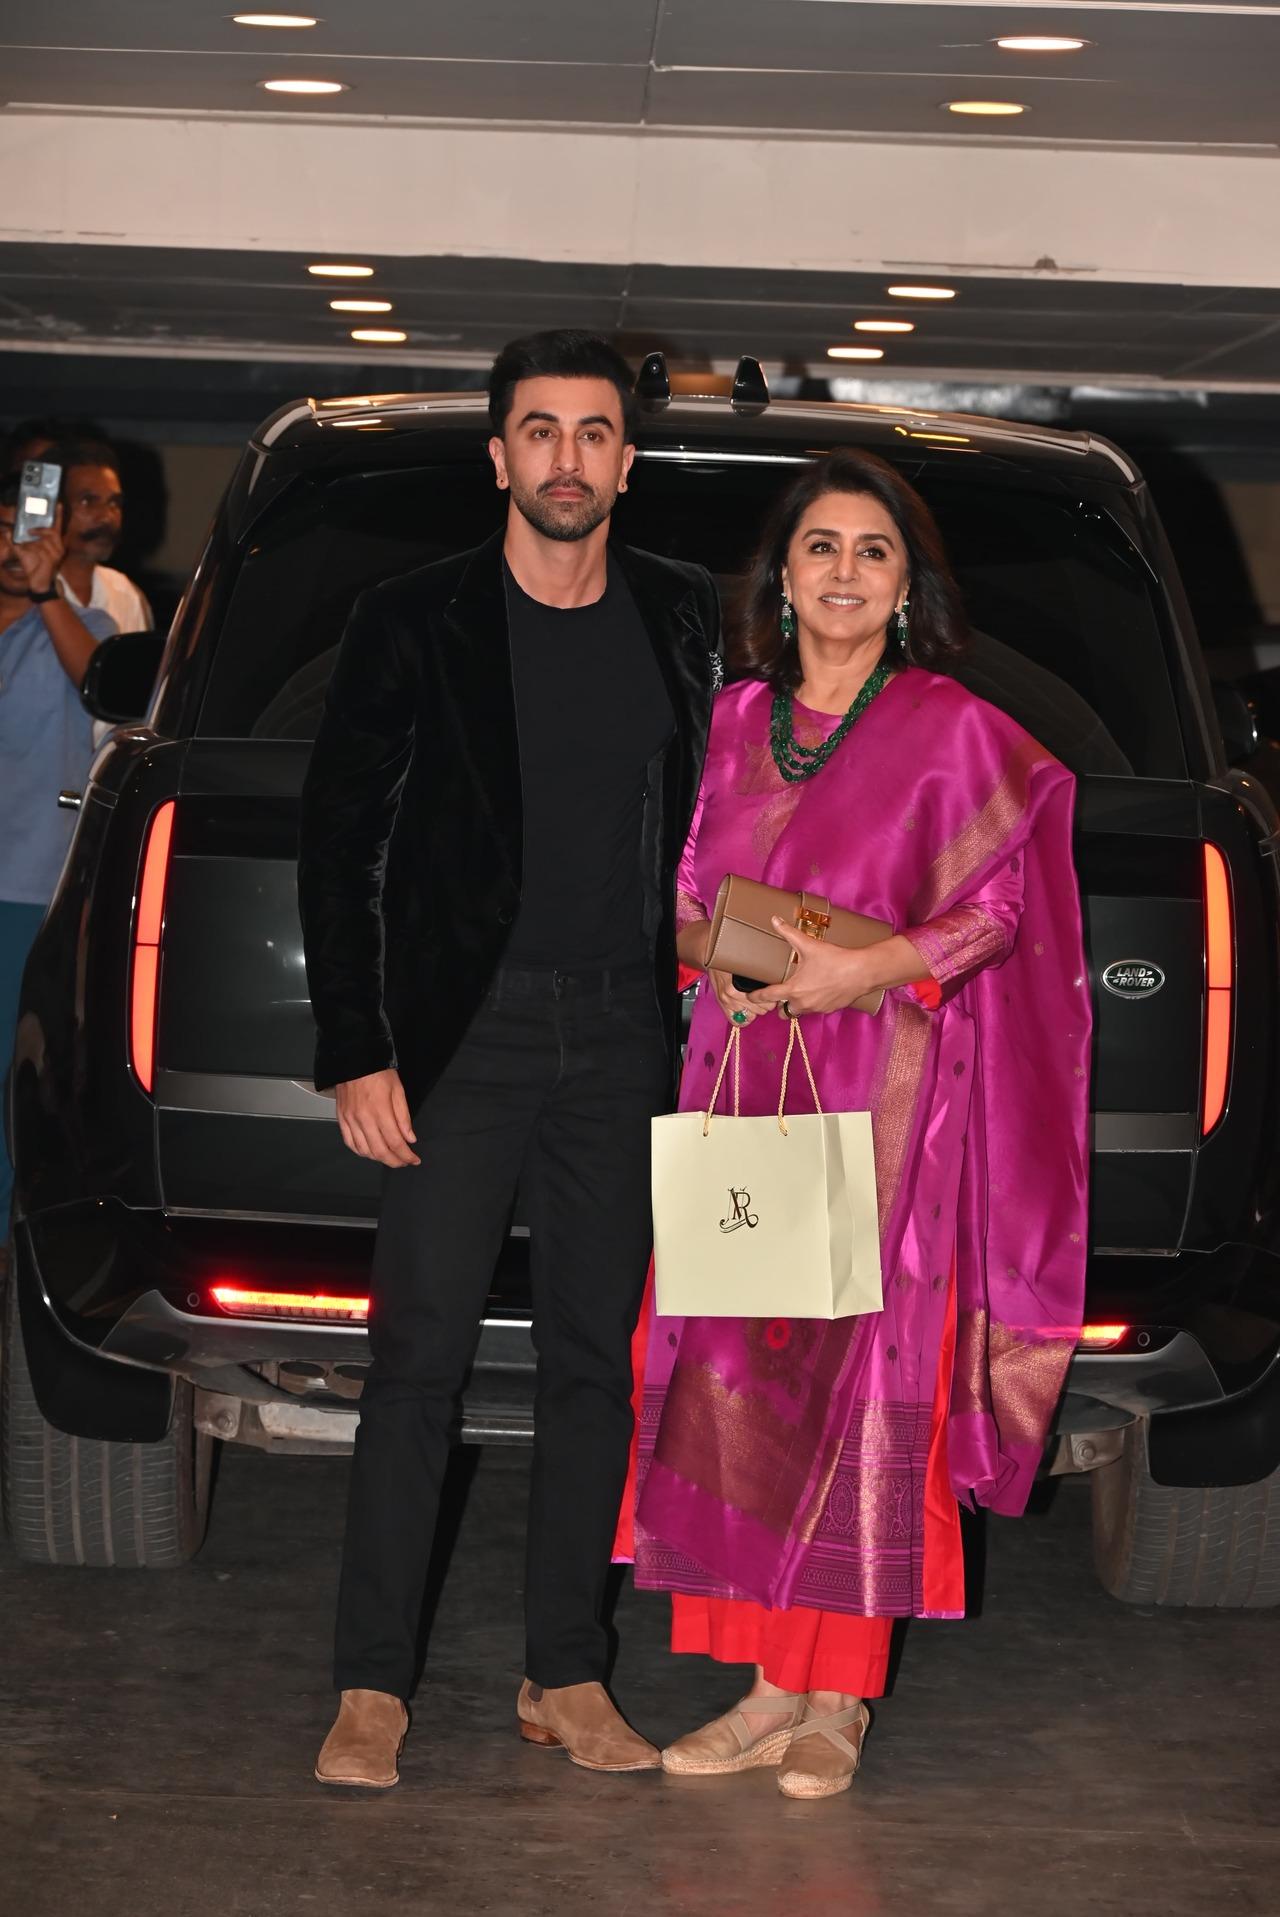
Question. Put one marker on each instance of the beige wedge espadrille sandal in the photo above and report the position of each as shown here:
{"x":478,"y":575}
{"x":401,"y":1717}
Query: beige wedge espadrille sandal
{"x":828,"y":1763}
{"x":728,"y":1743}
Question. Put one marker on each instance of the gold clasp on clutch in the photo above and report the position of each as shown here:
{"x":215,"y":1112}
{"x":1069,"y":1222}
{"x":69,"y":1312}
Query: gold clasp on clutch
{"x":815,"y":924}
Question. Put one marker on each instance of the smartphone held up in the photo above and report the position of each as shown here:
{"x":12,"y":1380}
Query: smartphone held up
{"x":38,"y":487}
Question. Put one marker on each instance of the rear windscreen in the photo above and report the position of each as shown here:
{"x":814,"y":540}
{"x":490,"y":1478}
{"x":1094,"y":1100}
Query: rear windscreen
{"x":1067,"y":638}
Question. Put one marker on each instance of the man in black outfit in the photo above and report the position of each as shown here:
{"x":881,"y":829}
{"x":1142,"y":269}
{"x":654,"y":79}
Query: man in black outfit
{"x":492,"y":819}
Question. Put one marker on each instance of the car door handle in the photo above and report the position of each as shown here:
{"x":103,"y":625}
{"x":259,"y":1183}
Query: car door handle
{"x":70,"y":801}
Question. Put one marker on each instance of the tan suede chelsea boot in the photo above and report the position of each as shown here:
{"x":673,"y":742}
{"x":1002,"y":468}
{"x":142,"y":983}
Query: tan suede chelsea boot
{"x":584,"y":1720}
{"x":363,"y":1747}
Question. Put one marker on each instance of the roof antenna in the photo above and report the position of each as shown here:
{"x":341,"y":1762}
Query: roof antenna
{"x":653,"y":382}
{"x":750,"y":387}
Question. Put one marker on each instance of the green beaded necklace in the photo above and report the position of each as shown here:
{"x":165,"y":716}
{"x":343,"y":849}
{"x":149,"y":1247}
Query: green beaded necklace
{"x":798,"y":762}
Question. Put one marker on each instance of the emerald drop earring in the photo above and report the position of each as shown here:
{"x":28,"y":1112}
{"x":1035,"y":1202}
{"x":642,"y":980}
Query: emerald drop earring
{"x":788,"y":619}
{"x":898,"y":625}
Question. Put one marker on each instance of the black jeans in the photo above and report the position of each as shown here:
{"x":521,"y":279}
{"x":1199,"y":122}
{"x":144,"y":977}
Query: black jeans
{"x":550,"y":1092}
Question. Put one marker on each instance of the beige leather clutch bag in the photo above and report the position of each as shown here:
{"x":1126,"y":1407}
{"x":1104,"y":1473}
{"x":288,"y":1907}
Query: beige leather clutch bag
{"x":743,"y":940}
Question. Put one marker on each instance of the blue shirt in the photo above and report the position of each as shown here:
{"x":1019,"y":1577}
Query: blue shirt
{"x":46,"y":743}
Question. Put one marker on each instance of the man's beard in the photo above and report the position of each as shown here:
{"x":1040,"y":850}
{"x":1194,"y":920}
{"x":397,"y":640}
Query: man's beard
{"x":563,"y":519}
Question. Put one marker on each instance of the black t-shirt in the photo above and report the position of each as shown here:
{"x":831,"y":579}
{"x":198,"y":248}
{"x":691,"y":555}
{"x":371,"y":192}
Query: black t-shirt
{"x":592,"y":712}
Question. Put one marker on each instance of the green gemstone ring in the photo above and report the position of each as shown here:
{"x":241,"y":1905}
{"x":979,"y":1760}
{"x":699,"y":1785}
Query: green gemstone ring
{"x":739,"y":1018}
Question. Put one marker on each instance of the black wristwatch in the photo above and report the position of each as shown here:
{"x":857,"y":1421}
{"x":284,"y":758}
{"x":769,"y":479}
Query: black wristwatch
{"x":43,"y":598}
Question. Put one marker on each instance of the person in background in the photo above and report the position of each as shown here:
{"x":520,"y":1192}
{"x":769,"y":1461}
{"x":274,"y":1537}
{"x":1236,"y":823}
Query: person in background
{"x":45,"y":745}
{"x":93,"y":509}
{"x":34,"y":438}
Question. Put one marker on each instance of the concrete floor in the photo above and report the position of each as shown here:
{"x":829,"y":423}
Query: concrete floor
{"x":1056,"y":1755}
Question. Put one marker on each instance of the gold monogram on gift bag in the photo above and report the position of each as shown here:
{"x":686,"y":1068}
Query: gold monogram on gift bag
{"x":765,"y":1217}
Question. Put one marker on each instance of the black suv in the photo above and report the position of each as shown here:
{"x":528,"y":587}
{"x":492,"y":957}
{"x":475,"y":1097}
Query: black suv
{"x":190,"y":1239}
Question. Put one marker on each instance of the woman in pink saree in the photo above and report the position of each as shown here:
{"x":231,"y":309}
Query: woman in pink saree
{"x":798,"y":1480}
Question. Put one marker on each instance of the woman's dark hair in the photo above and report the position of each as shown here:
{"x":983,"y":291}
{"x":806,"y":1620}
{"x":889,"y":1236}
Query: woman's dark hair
{"x":938,"y":630}
{"x":563,"y":353}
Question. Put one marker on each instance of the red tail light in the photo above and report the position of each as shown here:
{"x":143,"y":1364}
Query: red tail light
{"x":243,"y":1301}
{"x":1102,"y":1337}
{"x":1219,"y":977}
{"x":148,"y":923}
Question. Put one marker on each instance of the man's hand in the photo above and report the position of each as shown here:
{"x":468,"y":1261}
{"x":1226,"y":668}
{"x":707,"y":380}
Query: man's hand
{"x":373,"y":1116}
{"x":41,"y":557}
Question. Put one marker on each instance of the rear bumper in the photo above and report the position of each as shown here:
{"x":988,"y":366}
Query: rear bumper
{"x":120,"y":1303}
{"x":117,"y":1303}
{"x":96,"y":1259}
{"x":1107,"y":1389}
{"x":1234,"y":1441}
{"x":218,"y":1354}
{"x":238,"y":1366}
{"x":77,"y":1390}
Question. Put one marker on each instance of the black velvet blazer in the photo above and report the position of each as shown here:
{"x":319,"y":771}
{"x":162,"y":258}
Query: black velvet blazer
{"x":412,"y":818}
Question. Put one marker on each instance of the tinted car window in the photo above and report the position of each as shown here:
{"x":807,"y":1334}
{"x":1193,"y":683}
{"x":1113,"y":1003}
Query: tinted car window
{"x":304,"y":572}
{"x":1067,"y":637}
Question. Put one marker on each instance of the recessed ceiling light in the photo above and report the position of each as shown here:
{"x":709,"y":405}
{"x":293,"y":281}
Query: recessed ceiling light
{"x":330,"y":270}
{"x":855,"y":352}
{"x":360,"y":306}
{"x":304,"y":86}
{"x":275,"y":20}
{"x":993,"y":109}
{"x":921,"y":292}
{"x":1040,"y":43}
{"x":378,"y":335}
{"x":884,"y":326}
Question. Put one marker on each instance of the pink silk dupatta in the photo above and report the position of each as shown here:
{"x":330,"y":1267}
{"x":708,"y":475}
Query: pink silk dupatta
{"x":788,"y":1461}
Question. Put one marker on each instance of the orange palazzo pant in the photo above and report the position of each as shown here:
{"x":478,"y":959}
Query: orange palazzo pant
{"x":798,"y":1650}
{"x":804,"y":1649}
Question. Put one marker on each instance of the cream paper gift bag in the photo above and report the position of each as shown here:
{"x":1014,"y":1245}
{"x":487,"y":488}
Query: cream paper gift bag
{"x":765,"y":1217}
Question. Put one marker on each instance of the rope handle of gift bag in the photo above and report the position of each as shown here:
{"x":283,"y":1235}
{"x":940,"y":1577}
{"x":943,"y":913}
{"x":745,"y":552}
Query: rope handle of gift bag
{"x":734,"y":1049}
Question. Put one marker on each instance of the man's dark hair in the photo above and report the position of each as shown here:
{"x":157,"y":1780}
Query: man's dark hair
{"x":9,"y":490}
{"x":83,"y":452}
{"x":562,"y":353}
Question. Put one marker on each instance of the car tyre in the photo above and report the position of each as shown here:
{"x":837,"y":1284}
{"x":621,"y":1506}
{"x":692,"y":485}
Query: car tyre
{"x":84,"y":1501}
{"x":1164,"y":1544}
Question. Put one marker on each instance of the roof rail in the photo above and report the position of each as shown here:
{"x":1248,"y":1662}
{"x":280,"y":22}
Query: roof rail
{"x":653,"y":382}
{"x":750,"y":387}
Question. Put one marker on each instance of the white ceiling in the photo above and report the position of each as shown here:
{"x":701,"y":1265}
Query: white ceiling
{"x":457,"y":312}
{"x":1168,"y":72}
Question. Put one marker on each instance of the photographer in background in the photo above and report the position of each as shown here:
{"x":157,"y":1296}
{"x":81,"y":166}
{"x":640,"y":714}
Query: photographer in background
{"x":45,"y":745}
{"x":93,"y":518}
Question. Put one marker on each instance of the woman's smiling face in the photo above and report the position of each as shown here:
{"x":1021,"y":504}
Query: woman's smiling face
{"x":846,"y":569}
